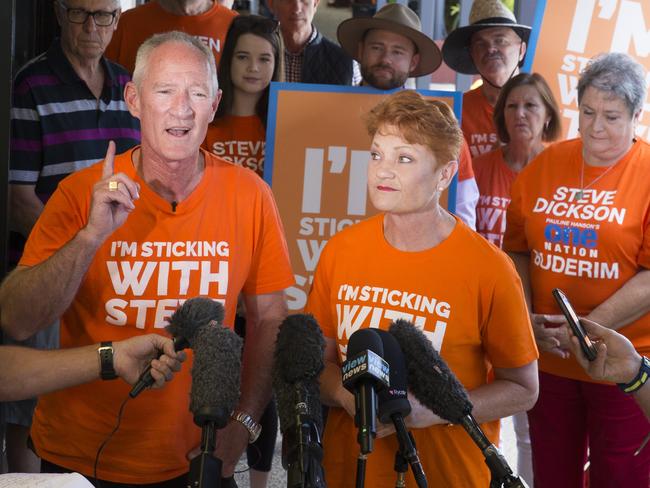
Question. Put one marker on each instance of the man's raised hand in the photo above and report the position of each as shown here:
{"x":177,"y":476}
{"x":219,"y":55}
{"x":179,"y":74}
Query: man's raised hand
{"x":113,"y":199}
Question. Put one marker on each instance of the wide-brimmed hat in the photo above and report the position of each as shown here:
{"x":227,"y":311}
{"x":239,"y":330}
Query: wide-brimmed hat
{"x":485,"y":14}
{"x":396,"y":18}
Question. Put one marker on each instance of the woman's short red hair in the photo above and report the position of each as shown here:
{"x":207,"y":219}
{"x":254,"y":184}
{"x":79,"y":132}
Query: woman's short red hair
{"x":430,"y":123}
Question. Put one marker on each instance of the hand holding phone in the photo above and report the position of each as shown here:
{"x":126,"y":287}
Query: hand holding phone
{"x":586,"y":345}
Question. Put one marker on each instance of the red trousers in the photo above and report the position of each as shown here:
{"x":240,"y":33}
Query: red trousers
{"x":572,"y":415}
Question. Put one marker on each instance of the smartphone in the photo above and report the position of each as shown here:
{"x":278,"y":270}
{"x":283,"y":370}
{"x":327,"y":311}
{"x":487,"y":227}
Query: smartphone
{"x":574,"y":322}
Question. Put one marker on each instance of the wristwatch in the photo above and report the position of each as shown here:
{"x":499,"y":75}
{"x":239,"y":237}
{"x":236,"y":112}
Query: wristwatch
{"x":254,"y":429}
{"x":639,"y":380}
{"x":107,"y":369}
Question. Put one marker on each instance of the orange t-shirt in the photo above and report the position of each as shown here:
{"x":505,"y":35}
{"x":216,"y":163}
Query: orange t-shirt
{"x":140,"y":23}
{"x":589,"y":247}
{"x":494,"y":179}
{"x":477,"y":124}
{"x":464,"y":293}
{"x":240,"y":140}
{"x":226,"y":237}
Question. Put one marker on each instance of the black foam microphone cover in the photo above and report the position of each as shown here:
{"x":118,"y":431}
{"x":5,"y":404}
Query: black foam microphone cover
{"x":194,"y":313}
{"x":438,"y":389}
{"x":429,"y":377}
{"x":215,"y":374}
{"x":393,"y":400}
{"x":183,"y":324}
{"x":297,"y":364}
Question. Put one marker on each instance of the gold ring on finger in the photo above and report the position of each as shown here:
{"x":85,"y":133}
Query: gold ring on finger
{"x":112,"y":185}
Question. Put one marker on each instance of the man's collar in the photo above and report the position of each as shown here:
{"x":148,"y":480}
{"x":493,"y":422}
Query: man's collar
{"x":312,"y":37}
{"x":61,"y":66}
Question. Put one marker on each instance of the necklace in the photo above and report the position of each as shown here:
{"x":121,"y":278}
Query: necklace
{"x":583,"y":187}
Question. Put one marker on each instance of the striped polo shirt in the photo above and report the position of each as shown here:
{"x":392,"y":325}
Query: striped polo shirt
{"x":57,"y":124}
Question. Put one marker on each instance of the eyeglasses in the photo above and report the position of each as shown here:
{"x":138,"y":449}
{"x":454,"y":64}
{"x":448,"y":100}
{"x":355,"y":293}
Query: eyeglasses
{"x":101,"y":18}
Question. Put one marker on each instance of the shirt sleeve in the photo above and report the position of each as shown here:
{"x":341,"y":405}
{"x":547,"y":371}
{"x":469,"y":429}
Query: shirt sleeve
{"x":514,"y":239}
{"x":644,"y":253}
{"x":26,"y":160}
{"x":63,"y":216}
{"x":507,"y":333}
{"x":270,"y":268}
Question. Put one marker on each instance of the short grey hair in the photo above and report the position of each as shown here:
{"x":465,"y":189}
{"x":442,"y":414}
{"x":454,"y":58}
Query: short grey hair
{"x":617,"y":74}
{"x":157,"y":40}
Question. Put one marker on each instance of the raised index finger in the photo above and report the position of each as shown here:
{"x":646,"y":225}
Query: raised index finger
{"x":108,"y":166}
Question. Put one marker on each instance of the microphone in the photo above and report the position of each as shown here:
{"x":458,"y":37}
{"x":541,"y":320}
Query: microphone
{"x":183,"y":324}
{"x":394,"y":406}
{"x":364,"y":372}
{"x":213,"y":396}
{"x":438,"y":389}
{"x":298,"y":363}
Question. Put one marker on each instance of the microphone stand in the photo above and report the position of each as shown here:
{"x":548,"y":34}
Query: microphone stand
{"x":205,"y":469}
{"x":361,"y":470}
{"x":365,"y":436}
{"x":408,"y":451}
{"x":502,"y":475}
{"x":303,"y":461}
{"x":401,"y":467}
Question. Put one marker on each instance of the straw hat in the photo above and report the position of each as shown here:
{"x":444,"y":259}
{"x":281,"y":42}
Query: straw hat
{"x":396,"y":18}
{"x":485,"y":14}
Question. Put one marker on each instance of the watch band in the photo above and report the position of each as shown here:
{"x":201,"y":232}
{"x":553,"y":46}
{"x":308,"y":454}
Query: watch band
{"x":254,"y":429}
{"x":639,"y":380}
{"x":107,"y":369}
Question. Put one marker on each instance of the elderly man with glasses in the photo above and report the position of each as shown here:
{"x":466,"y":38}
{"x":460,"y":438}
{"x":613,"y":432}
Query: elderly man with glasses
{"x":67,"y":104}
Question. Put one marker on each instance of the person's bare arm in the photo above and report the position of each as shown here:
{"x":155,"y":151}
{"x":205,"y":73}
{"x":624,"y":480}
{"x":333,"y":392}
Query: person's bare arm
{"x":629,"y":303}
{"x":616,"y":359}
{"x":548,"y":339}
{"x":31,"y":298}
{"x":24,"y":208}
{"x":264,"y":313}
{"x":27,"y":373}
{"x":513,"y":390}
{"x":332,"y":391}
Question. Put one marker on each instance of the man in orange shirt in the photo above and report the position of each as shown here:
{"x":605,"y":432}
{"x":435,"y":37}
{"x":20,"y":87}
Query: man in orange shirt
{"x":129,"y":239}
{"x":206,"y":20}
{"x":493,"y":45}
{"x":391,"y":47}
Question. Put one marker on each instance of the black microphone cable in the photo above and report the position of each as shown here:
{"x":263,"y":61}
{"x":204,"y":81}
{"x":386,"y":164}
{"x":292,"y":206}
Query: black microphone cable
{"x":183,"y":325}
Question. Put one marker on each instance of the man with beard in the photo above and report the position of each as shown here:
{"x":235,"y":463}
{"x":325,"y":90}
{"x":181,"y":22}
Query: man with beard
{"x":493,"y":45}
{"x":391,"y":47}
